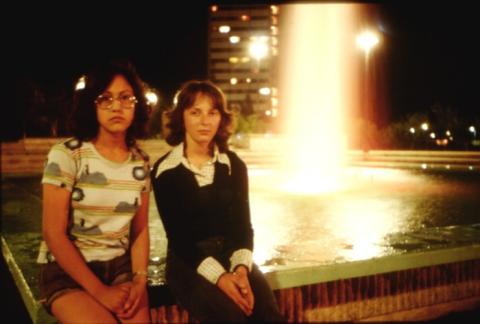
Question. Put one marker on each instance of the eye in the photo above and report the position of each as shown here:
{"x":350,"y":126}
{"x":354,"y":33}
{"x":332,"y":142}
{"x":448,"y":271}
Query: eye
{"x":126,"y":98}
{"x":214,"y":112}
{"x":104,"y":98}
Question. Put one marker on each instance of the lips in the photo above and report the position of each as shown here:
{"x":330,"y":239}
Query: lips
{"x":117,"y":119}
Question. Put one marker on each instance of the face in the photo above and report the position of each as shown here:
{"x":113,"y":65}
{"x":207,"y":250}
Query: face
{"x":201,"y":121}
{"x":117,"y":114}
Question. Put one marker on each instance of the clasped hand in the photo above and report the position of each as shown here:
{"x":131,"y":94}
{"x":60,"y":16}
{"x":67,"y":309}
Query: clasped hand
{"x":122,"y":299}
{"x":236,"y":286}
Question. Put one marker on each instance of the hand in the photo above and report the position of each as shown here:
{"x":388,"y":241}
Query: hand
{"x":112,"y":297}
{"x":137,"y":289}
{"x":229,"y":284}
{"x":243,"y":285}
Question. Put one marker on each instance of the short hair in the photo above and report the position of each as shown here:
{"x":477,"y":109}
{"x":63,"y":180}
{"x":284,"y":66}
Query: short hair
{"x":185,"y":98}
{"x":83,"y":123}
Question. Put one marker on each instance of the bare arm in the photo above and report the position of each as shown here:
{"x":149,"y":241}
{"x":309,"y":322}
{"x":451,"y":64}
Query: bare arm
{"x":56,"y":204}
{"x":139,"y":253}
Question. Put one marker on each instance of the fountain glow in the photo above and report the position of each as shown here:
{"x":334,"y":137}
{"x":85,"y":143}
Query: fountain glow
{"x":317,"y":88}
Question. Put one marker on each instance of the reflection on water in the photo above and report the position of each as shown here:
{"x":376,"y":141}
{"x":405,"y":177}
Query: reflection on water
{"x":358,"y":222}
{"x":380,"y":212}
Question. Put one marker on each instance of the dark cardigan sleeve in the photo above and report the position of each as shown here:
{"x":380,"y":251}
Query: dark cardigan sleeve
{"x":239,"y":231}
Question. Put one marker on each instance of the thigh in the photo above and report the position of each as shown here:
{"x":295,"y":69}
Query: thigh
{"x":80,"y":307}
{"x":202,"y":299}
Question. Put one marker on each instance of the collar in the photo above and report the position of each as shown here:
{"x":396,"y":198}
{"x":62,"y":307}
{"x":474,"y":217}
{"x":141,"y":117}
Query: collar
{"x":176,"y":157}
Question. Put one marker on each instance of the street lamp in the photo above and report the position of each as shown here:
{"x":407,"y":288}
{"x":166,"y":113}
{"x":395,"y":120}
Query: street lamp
{"x":366,"y":41}
{"x":472,"y":130}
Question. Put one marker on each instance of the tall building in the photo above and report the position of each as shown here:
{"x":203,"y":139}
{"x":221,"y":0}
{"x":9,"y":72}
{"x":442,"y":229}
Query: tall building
{"x":242,"y":57}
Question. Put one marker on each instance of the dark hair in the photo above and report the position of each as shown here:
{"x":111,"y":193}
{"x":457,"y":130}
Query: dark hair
{"x":185,"y":98}
{"x":83,"y":121}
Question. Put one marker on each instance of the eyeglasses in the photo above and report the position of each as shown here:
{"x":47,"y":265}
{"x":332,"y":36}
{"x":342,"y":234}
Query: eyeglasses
{"x":105,"y":101}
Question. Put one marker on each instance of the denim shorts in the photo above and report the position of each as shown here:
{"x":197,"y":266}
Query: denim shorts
{"x":54,"y":282}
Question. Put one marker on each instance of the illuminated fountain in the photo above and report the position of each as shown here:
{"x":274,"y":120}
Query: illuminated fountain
{"x":313,"y":208}
{"x":316,"y":88}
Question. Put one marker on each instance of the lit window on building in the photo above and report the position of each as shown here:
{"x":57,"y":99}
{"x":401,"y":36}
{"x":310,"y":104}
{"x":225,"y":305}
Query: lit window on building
{"x":233,"y":60}
{"x":265,"y":91}
{"x":245,"y":17}
{"x":233,"y":81}
{"x":224,"y":29}
{"x":234,"y":39}
{"x":274,"y":102}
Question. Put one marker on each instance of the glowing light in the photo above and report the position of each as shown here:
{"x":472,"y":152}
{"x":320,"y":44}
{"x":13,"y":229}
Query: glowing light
{"x":152,"y":97}
{"x":248,"y":80}
{"x":233,"y":81}
{"x":245,"y":17}
{"x":432,"y":135}
{"x":412,"y":130}
{"x":233,"y":59}
{"x":265,"y":91}
{"x":315,"y":89}
{"x":234,"y":39}
{"x":471,"y":129}
{"x":367,"y":40}
{"x":274,"y":102}
{"x":81,"y":83}
{"x":258,"y":47}
{"x":214,"y":8}
{"x":224,"y":29}
{"x":274,"y":9}
{"x":424,"y":126}
{"x":448,"y":133}
{"x":424,"y":166}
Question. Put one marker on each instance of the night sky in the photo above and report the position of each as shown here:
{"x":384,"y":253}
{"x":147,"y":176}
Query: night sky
{"x":430,"y":53}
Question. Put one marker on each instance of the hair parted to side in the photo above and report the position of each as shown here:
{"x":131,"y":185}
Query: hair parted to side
{"x":185,"y":98}
{"x":83,"y":123}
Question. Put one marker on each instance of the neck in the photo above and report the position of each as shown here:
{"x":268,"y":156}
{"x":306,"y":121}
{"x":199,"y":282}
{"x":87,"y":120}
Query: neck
{"x":110,"y":140}
{"x":197,"y":153}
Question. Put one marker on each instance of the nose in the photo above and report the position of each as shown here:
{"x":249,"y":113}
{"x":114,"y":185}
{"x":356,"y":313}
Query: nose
{"x":204,"y":119}
{"x":116,"y":105}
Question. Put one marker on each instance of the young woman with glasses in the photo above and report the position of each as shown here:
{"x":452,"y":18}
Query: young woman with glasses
{"x":95,"y":202}
{"x":201,"y":190}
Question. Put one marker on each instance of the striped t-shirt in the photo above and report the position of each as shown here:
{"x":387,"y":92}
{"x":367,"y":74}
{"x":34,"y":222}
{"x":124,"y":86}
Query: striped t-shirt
{"x":105,"y":197}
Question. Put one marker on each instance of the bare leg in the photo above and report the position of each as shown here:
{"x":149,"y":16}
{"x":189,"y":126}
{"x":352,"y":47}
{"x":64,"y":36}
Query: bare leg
{"x":79,"y":307}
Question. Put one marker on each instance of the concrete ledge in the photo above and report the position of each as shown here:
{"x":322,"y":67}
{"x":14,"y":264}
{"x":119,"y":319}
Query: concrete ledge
{"x":283,"y":277}
{"x":37,"y":313}
{"x":345,"y":291}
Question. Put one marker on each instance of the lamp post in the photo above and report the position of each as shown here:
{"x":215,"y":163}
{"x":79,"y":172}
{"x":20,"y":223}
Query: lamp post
{"x":366,"y":41}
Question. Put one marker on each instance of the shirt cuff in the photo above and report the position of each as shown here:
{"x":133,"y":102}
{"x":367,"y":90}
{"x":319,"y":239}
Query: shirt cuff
{"x":241,"y":256}
{"x":210,"y":269}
